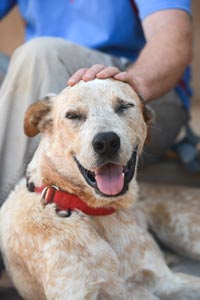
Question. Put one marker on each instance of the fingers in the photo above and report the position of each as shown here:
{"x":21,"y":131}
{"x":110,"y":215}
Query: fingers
{"x":85,"y":74}
{"x":96,"y":71}
{"x":92,"y":72}
{"x":108,"y":72}
{"x":100,"y":71}
{"x":76,"y":77}
{"x":127,"y":77}
{"x":122,"y":76}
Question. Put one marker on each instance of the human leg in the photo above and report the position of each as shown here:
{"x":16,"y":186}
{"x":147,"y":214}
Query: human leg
{"x":169,"y":116}
{"x":4,"y":61}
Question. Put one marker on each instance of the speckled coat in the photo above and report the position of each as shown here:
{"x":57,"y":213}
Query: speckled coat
{"x":89,"y":257}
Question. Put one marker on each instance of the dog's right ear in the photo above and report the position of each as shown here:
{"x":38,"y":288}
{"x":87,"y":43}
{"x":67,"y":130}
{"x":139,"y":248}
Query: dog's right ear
{"x":37,"y":117}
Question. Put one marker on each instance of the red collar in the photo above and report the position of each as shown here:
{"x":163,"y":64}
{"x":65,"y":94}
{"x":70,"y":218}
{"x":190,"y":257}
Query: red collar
{"x":66,"y":201}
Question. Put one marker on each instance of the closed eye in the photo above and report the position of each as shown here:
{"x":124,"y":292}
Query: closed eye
{"x":121,"y":107}
{"x":71,"y":115}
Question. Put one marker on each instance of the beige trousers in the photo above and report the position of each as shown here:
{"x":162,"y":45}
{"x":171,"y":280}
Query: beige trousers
{"x":43,"y":66}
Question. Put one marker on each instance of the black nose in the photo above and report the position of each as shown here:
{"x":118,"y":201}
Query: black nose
{"x":106,"y":143}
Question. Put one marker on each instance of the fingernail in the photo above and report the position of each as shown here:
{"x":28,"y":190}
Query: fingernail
{"x":71,"y":81}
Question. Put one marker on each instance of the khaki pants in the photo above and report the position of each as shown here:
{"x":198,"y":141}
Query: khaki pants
{"x":43,"y":66}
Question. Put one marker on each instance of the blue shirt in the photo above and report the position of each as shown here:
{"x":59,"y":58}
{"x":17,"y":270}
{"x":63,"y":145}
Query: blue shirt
{"x":111,"y":26}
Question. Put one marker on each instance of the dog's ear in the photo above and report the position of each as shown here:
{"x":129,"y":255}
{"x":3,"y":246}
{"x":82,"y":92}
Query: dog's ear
{"x":148,"y":115}
{"x":37,"y":117}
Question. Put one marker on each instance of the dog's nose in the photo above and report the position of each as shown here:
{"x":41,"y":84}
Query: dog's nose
{"x":106,"y":143}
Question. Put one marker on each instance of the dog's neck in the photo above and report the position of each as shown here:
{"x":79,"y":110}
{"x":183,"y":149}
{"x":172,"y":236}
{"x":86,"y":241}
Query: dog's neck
{"x":42,"y":172}
{"x":66,"y":202}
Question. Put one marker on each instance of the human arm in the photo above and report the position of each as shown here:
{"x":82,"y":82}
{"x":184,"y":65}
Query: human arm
{"x":167,"y":53}
{"x":161,"y":62}
{"x":5,"y":7}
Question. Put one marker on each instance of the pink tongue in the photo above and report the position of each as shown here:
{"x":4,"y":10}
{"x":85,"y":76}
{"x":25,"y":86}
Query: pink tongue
{"x":110,"y":179}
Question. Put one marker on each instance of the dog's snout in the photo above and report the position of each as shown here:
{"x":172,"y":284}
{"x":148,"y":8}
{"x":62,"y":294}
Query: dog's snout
{"x":106,"y":143}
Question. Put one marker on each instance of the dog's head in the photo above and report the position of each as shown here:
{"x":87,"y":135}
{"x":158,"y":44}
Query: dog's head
{"x":92,"y":135}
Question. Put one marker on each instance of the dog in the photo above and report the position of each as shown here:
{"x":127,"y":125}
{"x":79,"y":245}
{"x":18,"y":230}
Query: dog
{"x":73,"y":229}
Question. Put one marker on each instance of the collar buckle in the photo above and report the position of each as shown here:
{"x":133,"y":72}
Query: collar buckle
{"x":47,"y":195}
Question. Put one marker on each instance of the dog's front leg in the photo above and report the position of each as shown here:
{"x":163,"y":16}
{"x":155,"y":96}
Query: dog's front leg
{"x":70,"y":284}
{"x":74,"y":276}
{"x":80,"y":264}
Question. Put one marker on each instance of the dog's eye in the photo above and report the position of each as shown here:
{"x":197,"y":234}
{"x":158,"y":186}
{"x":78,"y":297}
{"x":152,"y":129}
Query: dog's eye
{"x":74,"y":116}
{"x":122,"y":107}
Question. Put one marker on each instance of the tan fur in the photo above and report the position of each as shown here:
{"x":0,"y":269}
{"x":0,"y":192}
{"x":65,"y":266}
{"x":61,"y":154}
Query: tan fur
{"x":85,"y":257}
{"x":172,"y":213}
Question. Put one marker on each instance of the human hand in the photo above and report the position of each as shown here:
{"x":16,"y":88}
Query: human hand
{"x":101,"y":72}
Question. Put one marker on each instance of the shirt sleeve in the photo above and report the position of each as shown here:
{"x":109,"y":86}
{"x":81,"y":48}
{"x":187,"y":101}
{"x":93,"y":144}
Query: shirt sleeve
{"x":148,"y":7}
{"x":5,"y":7}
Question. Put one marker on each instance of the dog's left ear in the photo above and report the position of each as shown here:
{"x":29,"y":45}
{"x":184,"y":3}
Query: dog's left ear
{"x":38,"y":117}
{"x":148,"y":115}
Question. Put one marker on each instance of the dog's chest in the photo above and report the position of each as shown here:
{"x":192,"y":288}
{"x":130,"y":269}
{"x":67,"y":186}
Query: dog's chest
{"x":128,"y":240}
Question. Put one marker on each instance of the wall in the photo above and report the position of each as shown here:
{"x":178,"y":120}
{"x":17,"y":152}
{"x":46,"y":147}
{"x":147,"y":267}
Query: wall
{"x":11,"y":32}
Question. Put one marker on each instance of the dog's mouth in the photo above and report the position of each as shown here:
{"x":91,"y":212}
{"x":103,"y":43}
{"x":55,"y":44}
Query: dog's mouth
{"x":111,"y":179}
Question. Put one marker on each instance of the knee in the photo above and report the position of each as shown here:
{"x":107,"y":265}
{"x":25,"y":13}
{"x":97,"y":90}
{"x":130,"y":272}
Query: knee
{"x":40,"y":49}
